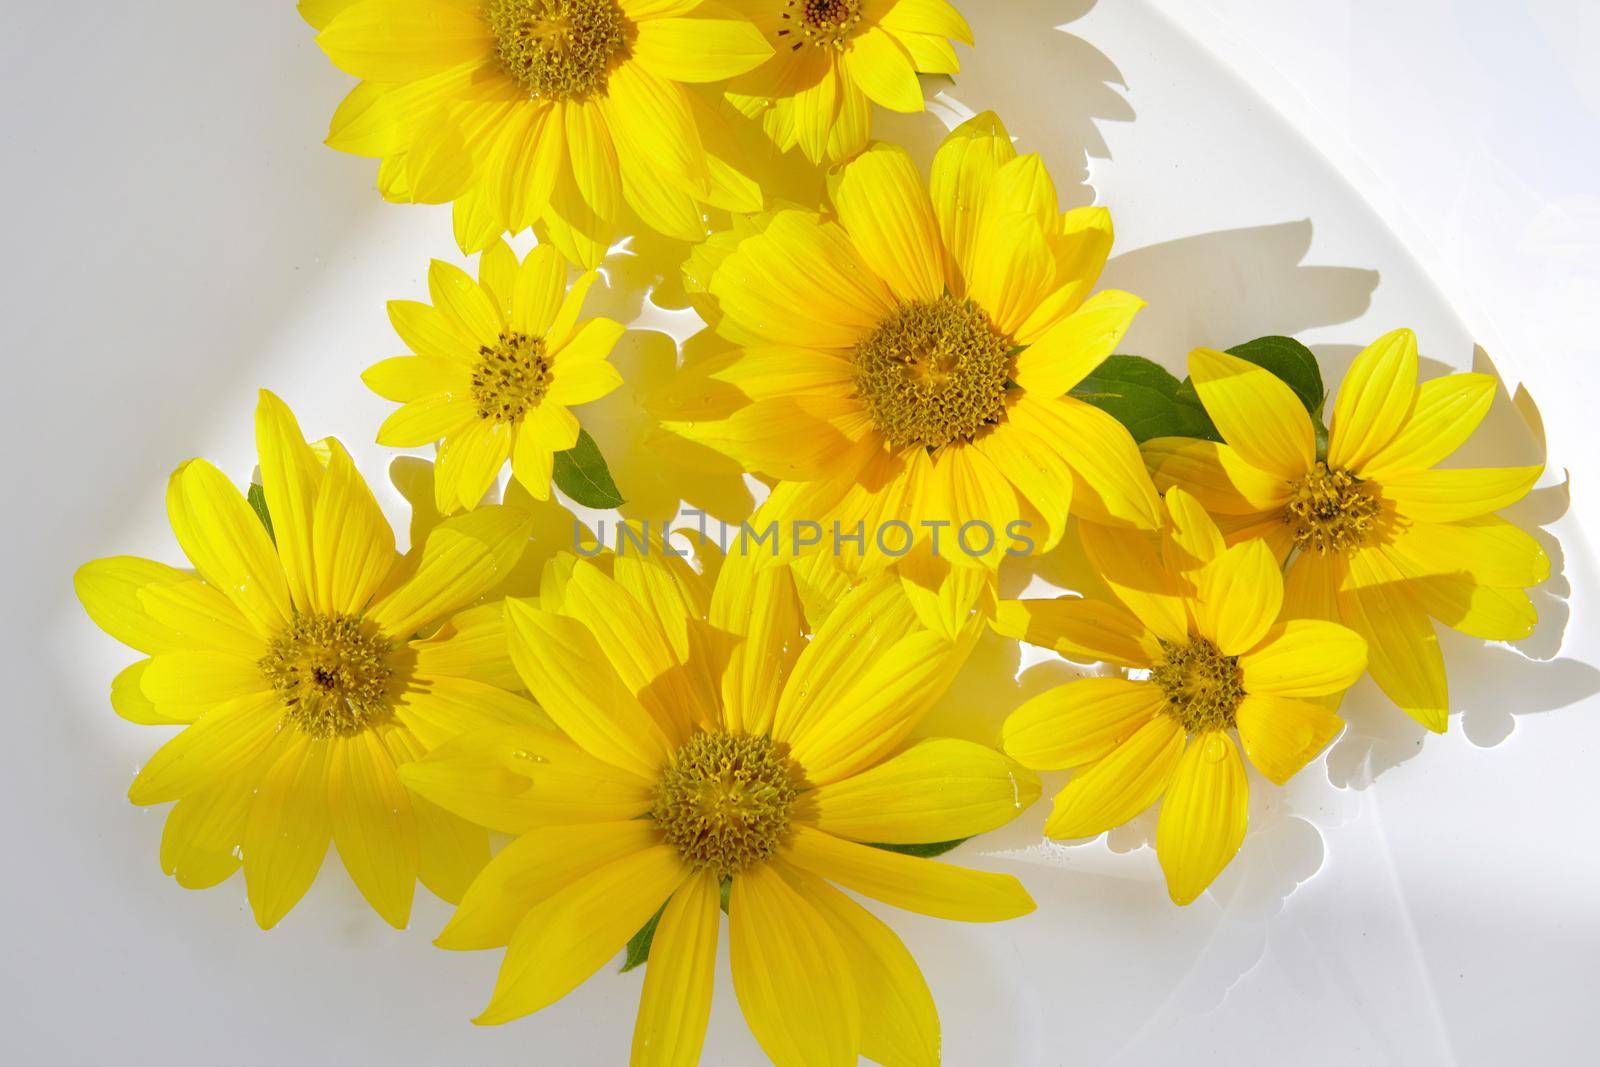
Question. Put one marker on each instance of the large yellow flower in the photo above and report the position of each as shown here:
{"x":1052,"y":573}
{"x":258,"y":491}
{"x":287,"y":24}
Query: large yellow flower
{"x":709,"y":748}
{"x":497,"y":363}
{"x":834,"y":59}
{"x":1206,"y":622}
{"x":561,"y":112}
{"x":296,"y":670}
{"x":1374,"y":536}
{"x":906,"y":358}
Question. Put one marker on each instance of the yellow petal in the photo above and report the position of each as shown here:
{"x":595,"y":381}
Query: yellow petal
{"x":1121,"y":785}
{"x":427,"y":331}
{"x":352,"y":543}
{"x":1203,"y":817}
{"x":1459,"y":602}
{"x":470,"y":644}
{"x":464,"y":303}
{"x":1238,"y":596}
{"x":928,"y":887}
{"x":438,"y":709}
{"x":402,"y":40}
{"x":1113,"y":486}
{"x":1451,"y":495}
{"x":109,"y":591}
{"x":1127,"y":562}
{"x":204,"y":617}
{"x":407,"y":378}
{"x":566,"y":671}
{"x":792,"y":978}
{"x":704,"y":46}
{"x":1079,"y":722}
{"x":286,"y":832}
{"x":290,"y":475}
{"x":756,"y":605}
{"x":1088,"y":631}
{"x":1067,"y":352}
{"x":469,"y":463}
{"x":1489,"y":550}
{"x":224,"y":539}
{"x":1304,"y":658}
{"x":450,"y":851}
{"x":541,"y":283}
{"x":1446,"y":412}
{"x":1402,"y":648}
{"x":678,"y":981}
{"x":963,"y":169}
{"x":899,"y":1023}
{"x":373,"y":825}
{"x":1258,"y":415}
{"x":883,"y":69}
{"x":533,"y":868}
{"x":200,"y":842}
{"x":1215,"y":474}
{"x":936,"y":790}
{"x":593,"y":157}
{"x":571,"y":934}
{"x":422,"y":422}
{"x":1311,"y":586}
{"x":1374,"y":401}
{"x":1281,"y":735}
{"x":128,"y":700}
{"x":883,"y":205}
{"x":222,"y":742}
{"x":1193,"y":539}
{"x":463,"y":558}
{"x":183,"y":684}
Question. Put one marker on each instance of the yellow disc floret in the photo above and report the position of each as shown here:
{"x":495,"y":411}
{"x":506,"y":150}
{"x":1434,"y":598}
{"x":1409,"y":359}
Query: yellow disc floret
{"x":933,"y":372}
{"x":559,"y":49}
{"x":1202,"y":686}
{"x":332,"y":673}
{"x":823,"y":23}
{"x":725,"y":801}
{"x":511,"y":377}
{"x":1331,"y":511}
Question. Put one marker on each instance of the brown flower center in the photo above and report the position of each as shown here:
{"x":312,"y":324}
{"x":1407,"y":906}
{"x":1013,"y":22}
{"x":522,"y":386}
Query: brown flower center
{"x":332,"y":672}
{"x":933,"y":372}
{"x":511,"y":377}
{"x":823,"y":23}
{"x":725,"y":801}
{"x":1202,"y":686}
{"x":1331,"y":511}
{"x":559,"y":49}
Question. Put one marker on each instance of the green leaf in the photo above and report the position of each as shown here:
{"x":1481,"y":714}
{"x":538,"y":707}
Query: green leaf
{"x":927,"y":851}
{"x":639,"y":944}
{"x":1290,"y":361}
{"x":1145,"y":398}
{"x":582,"y":474}
{"x":258,"y":501}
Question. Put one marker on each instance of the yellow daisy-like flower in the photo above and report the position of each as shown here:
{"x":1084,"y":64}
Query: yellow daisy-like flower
{"x":297,"y":673}
{"x":1206,"y":622}
{"x":906,"y":358}
{"x":497,"y":363}
{"x":709,"y":747}
{"x":834,"y":59}
{"x":562,"y":112}
{"x":1374,"y":536}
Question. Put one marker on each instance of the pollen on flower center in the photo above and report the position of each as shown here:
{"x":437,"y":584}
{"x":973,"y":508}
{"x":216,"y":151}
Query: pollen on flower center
{"x":823,"y":23}
{"x":1202,"y":686}
{"x":933,"y":372}
{"x":724,"y":801}
{"x":332,"y":672}
{"x":1331,"y":511}
{"x":559,"y":49}
{"x":511,"y":377}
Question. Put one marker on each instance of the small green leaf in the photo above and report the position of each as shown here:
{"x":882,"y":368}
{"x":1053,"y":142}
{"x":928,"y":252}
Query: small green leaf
{"x":639,"y":944}
{"x":927,"y":851}
{"x":582,"y":474}
{"x":258,"y":501}
{"x":1290,"y":361}
{"x":1145,"y":398}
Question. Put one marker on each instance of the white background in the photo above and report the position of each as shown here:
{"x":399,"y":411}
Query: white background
{"x":177,"y":237}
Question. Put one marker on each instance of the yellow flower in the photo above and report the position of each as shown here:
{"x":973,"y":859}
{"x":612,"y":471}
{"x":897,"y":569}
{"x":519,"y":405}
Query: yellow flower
{"x":1206,"y":622}
{"x":834,"y":59}
{"x":564,"y":112}
{"x":709,"y":747}
{"x":905,"y":358}
{"x":296,"y":671}
{"x":497,"y":364}
{"x":1373,"y":535}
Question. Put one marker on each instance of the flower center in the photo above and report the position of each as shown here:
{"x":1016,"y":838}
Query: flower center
{"x":511,"y":377}
{"x":559,"y":49}
{"x":1202,"y":686}
{"x":332,"y":672}
{"x":824,"y":23}
{"x":724,"y":801}
{"x":1331,"y":511}
{"x":932,"y":373}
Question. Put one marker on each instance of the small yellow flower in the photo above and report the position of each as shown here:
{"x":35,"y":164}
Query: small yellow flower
{"x":566,"y":113}
{"x":497,"y":363}
{"x":296,"y":671}
{"x":834,"y":59}
{"x":709,"y":747}
{"x":1373,"y":535}
{"x":905,"y":359}
{"x":1207,"y":623}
